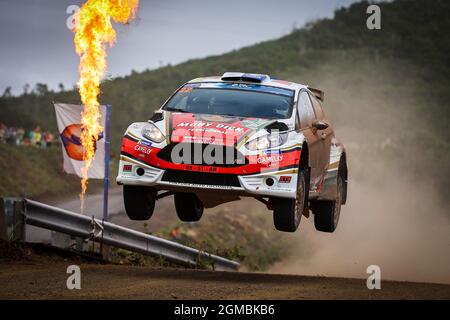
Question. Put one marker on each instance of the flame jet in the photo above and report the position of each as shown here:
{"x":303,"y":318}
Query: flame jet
{"x":93,"y":32}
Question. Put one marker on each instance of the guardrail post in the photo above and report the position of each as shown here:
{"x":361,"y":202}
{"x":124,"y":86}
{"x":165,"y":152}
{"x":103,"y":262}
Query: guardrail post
{"x":12,"y":219}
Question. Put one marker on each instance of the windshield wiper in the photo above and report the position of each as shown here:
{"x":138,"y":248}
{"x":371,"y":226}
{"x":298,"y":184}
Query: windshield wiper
{"x":230,"y":115}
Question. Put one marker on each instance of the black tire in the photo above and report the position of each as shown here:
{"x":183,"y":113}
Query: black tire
{"x":139,"y":202}
{"x":188,"y":206}
{"x":287,"y":213}
{"x":327,"y":213}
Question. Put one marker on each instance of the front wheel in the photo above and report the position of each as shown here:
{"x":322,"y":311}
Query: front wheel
{"x":327,"y":213}
{"x":139,"y":202}
{"x":287,"y":213}
{"x":188,"y":206}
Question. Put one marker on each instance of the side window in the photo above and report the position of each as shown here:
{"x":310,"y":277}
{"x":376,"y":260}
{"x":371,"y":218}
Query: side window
{"x":317,"y":107}
{"x":305,"y":110}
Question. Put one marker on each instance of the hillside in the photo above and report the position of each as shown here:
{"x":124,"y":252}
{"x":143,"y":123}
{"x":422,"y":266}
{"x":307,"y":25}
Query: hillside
{"x":386,"y":90}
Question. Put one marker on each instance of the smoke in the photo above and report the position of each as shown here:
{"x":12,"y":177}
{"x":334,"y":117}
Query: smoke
{"x":398,"y":225}
{"x":396,"y":216}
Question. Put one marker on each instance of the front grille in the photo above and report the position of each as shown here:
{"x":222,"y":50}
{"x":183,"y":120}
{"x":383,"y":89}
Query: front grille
{"x":227,"y":156}
{"x":213,"y":179}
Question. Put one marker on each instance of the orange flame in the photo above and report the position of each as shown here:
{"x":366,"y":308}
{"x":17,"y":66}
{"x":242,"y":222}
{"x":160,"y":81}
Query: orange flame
{"x":93,"y":32}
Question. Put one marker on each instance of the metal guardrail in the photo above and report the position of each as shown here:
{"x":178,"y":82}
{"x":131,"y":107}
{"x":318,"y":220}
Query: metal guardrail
{"x":56,"y":219}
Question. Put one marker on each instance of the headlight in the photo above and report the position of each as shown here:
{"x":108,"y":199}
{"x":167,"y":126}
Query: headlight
{"x":151,"y":132}
{"x":267,"y":142}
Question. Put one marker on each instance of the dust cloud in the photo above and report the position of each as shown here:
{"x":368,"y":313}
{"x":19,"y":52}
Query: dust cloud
{"x":397,"y":216}
{"x":398,"y":225}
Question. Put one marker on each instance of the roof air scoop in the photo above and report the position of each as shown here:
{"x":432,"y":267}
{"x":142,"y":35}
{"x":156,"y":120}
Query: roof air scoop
{"x":245,"y":77}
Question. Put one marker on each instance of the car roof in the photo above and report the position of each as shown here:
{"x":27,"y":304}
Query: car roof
{"x":250,"y":78}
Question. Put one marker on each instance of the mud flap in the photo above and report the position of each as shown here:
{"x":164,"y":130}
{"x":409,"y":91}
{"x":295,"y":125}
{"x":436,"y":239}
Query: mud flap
{"x":306,"y":212}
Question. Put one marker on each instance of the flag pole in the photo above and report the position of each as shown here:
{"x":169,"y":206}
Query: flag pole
{"x":107,"y":160}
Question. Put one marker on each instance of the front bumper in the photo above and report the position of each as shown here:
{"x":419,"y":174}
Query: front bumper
{"x":268,"y":183}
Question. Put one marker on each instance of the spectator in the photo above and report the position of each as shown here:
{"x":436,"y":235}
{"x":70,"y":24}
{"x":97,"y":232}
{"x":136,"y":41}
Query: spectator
{"x":19,"y":136}
{"x":37,"y":136}
{"x":26,"y":141}
{"x":44,"y":140}
{"x":31,"y":137}
{"x":10,"y":135}
{"x":50,"y":139}
{"x":2,"y":133}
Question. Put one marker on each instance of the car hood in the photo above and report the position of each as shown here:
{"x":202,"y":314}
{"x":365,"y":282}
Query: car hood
{"x":211,"y":129}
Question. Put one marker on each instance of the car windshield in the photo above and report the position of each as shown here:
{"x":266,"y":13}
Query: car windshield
{"x":231,"y":99}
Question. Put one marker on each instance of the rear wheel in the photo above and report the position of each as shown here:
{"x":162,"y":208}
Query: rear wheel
{"x":327,"y":213}
{"x":287,"y":213}
{"x":188,"y":206}
{"x":139,"y":202}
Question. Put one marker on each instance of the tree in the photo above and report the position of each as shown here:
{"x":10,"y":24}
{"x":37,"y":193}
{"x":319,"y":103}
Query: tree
{"x":41,"y":89}
{"x":26,"y":88}
{"x":61,"y":87}
{"x":7,"y":92}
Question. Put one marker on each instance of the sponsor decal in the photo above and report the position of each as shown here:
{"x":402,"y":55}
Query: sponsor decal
{"x":205,"y":129}
{"x":145,"y":143}
{"x":227,"y":127}
{"x":270,"y":152}
{"x":240,"y":86}
{"x":186,"y":90}
{"x":127,"y":168}
{"x":208,"y":125}
{"x":270,"y":159}
{"x":205,"y":186}
{"x":285,"y":179}
{"x":201,"y":139}
{"x":249,"y":87}
{"x":143,"y":149}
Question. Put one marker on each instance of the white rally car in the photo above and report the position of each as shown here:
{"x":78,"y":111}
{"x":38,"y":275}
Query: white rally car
{"x":217,"y":139}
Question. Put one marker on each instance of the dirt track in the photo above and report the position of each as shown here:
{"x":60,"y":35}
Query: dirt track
{"x":31,"y":279}
{"x":48,"y":281}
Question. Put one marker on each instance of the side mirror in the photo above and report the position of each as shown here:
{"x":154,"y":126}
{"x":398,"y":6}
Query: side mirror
{"x":279,"y":126}
{"x":320,"y":125}
{"x":157,"y":116}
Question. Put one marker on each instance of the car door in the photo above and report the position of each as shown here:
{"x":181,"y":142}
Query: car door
{"x":325,"y":135}
{"x":306,"y":118}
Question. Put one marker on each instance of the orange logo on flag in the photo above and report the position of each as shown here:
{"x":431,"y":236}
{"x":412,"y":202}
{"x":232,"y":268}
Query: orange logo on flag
{"x":72,"y":142}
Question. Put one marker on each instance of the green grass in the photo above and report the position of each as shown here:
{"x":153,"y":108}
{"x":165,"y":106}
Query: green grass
{"x":38,"y":173}
{"x":33,"y":172}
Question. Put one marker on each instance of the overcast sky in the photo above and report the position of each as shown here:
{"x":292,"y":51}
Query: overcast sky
{"x":36,"y":46}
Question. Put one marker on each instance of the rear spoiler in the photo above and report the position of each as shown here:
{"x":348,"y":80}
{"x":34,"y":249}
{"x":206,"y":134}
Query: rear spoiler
{"x":318,"y":93}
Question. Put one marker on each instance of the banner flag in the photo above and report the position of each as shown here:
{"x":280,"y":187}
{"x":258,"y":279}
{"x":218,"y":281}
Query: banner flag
{"x":69,"y":126}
